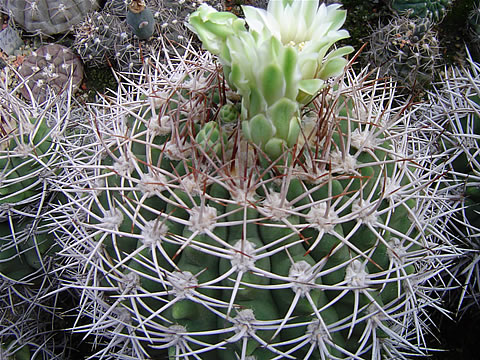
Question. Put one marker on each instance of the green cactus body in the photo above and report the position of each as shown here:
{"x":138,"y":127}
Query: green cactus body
{"x":431,"y":9}
{"x":27,"y":156}
{"x":213,"y":249}
{"x":23,"y":250}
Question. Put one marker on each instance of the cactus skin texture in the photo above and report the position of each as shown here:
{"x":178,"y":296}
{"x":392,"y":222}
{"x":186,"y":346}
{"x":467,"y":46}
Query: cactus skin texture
{"x":433,"y":10}
{"x":406,"y":49}
{"x":51,"y":68}
{"x":48,"y":17}
{"x":208,"y":249}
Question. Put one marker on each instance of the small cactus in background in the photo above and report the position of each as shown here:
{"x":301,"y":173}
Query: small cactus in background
{"x":433,"y":10}
{"x":51,"y":68}
{"x":140,"y":19}
{"x":189,"y":237}
{"x":48,"y":17}
{"x":97,"y":36}
{"x":116,"y":8}
{"x":407,"y":50}
{"x":105,"y":36}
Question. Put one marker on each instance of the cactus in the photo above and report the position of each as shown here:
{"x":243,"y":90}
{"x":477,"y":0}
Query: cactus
{"x":474,"y":29}
{"x":105,"y":36}
{"x":116,"y":8}
{"x":48,"y":17}
{"x":97,"y":36}
{"x":51,"y":68}
{"x":31,"y":323}
{"x":433,"y":10}
{"x":454,"y":107}
{"x":208,"y":248}
{"x":29,"y":154}
{"x":140,"y":19}
{"x":32,"y":155}
{"x":407,"y":50}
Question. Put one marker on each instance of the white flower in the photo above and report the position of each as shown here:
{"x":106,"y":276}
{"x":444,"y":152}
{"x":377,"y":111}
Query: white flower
{"x":309,"y":28}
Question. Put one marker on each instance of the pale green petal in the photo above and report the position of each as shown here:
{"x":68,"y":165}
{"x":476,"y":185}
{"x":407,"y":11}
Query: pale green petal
{"x":308,"y":65}
{"x":333,"y":67}
{"x":290,"y":72}
{"x":311,"y":86}
{"x":335,"y":63}
{"x":257,"y":102}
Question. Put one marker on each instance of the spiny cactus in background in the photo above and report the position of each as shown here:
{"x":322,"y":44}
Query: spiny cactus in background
{"x":97,"y":36}
{"x":454,"y":107}
{"x":51,"y":68}
{"x":433,"y":10}
{"x":48,"y":17}
{"x":116,"y":8}
{"x":31,"y":323}
{"x":31,"y":161}
{"x":474,"y":30}
{"x":187,"y":237}
{"x":105,"y":35}
{"x":406,"y":49}
{"x":29,"y":155}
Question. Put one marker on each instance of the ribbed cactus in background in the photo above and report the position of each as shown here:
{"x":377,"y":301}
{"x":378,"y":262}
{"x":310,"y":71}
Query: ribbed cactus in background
{"x":433,"y":10}
{"x":474,"y":29}
{"x":192,"y":235}
{"x":48,"y":17}
{"x":407,"y":50}
{"x":31,"y":163}
{"x":454,"y":107}
{"x":52,"y":68}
